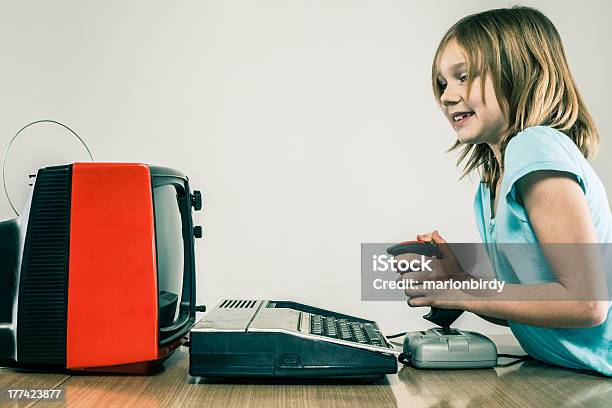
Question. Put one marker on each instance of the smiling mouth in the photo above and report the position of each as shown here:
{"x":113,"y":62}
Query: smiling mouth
{"x":460,"y":118}
{"x":461,"y":115}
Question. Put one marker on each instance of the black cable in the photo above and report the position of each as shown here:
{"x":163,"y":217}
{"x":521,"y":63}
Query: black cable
{"x":519,"y":359}
{"x":513,"y":355}
{"x":404,"y":358}
{"x":187,"y":342}
{"x":393,"y":336}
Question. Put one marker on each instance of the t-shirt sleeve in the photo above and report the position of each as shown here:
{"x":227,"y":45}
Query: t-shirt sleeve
{"x":537,"y":149}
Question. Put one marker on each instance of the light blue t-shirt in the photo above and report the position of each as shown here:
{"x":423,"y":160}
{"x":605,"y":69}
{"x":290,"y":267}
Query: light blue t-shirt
{"x":544,"y":148}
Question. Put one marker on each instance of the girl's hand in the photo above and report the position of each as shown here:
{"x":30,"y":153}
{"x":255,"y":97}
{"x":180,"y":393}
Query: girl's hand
{"x":446,"y":268}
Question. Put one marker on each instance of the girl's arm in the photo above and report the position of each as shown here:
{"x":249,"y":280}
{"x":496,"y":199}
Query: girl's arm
{"x":558,"y":212}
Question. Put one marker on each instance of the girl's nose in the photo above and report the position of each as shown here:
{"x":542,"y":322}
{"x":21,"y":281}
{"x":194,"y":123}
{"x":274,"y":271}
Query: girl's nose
{"x":450,"y":97}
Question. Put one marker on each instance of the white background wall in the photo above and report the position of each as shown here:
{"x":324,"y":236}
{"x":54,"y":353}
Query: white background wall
{"x":310,"y":126}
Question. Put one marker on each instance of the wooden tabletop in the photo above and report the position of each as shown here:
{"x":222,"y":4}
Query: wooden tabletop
{"x":526,"y":384}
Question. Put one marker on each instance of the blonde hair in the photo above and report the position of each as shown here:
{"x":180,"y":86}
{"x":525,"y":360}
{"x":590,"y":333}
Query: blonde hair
{"x":522,"y":51}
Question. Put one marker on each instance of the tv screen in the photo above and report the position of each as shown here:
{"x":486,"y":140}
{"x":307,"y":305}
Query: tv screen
{"x":174,"y":235}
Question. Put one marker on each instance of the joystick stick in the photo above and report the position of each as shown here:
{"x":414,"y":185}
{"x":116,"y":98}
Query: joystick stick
{"x":441,"y":317}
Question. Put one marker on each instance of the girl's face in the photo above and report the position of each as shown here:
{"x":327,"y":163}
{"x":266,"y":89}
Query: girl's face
{"x":474,"y":120}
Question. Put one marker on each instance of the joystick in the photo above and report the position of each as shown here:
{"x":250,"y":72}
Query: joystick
{"x":442,"y":347}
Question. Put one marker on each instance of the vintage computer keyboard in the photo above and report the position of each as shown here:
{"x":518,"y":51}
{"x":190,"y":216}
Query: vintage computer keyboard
{"x":243,"y":338}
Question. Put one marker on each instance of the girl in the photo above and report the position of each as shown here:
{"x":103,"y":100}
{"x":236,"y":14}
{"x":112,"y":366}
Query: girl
{"x":502,"y":80}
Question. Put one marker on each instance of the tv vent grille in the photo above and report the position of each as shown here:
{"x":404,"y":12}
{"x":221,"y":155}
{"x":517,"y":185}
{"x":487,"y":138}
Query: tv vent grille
{"x":41,"y":337}
{"x":237,"y":304}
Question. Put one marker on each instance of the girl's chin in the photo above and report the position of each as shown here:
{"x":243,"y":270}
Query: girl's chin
{"x":471,"y":135}
{"x":468,"y":138}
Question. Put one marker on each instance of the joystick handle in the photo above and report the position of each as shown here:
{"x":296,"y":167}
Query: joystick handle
{"x":441,"y":317}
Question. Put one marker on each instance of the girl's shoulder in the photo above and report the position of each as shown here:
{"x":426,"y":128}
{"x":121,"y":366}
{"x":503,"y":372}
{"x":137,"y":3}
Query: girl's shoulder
{"x":542,"y":148}
{"x":541,"y":139}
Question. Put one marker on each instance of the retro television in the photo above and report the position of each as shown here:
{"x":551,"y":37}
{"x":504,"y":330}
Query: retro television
{"x":98,"y":272}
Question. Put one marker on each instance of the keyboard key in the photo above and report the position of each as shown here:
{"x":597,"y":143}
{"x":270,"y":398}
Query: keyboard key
{"x":372,"y":334}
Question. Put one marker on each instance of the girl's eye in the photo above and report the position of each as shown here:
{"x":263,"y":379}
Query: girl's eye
{"x":442,"y":86}
{"x":463,"y":78}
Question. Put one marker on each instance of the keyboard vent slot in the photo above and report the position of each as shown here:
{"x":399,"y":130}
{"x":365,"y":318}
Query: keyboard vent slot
{"x":237,"y":304}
